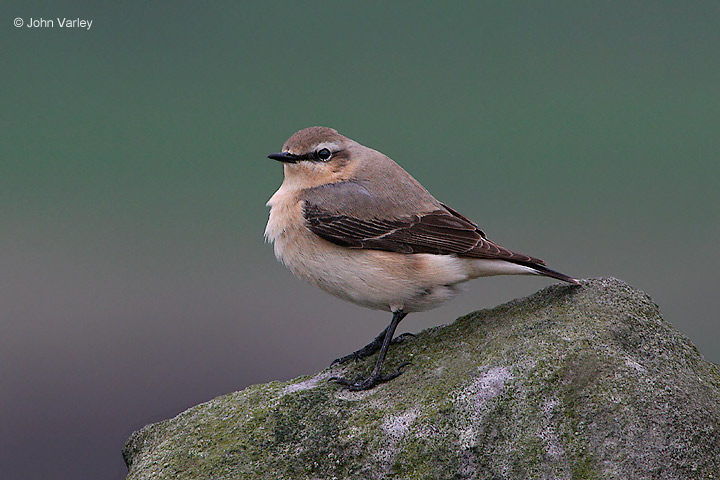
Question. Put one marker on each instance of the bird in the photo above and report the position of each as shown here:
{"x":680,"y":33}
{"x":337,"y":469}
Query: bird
{"x":350,"y":220}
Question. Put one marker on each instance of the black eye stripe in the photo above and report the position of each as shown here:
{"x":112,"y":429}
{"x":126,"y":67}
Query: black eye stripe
{"x":313,"y":155}
{"x":297,"y":157}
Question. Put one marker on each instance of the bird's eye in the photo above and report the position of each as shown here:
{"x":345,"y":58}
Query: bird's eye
{"x":324,"y":154}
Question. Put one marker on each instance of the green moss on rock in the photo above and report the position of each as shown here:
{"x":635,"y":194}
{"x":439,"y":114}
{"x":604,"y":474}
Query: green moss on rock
{"x":572,"y":382}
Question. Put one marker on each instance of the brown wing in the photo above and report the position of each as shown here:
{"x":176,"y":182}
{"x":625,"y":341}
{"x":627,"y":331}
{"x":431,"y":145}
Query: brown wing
{"x":443,"y":232}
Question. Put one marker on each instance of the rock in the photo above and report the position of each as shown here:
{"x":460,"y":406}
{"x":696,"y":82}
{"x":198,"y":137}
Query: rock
{"x":569,"y":383}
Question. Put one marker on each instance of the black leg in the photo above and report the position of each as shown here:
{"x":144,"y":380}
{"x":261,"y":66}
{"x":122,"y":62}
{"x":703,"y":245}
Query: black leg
{"x":375,"y":377}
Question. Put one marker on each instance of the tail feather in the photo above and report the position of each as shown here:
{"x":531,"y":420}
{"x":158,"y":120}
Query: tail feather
{"x":543,"y":270}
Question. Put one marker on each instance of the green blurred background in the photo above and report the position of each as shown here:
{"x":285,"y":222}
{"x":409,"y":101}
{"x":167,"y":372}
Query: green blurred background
{"x":134,"y":281}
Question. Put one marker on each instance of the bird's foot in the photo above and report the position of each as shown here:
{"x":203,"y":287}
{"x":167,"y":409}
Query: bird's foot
{"x":371,"y":348}
{"x":364,"y":352}
{"x":371,"y":381}
{"x":401,"y":338}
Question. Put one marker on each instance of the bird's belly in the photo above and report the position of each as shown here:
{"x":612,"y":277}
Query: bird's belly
{"x":372,"y":278}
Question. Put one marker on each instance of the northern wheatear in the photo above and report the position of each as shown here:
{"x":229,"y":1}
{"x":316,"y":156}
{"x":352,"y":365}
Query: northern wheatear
{"x":353,"y":222}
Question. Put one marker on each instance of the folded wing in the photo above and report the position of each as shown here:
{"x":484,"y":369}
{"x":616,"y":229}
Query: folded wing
{"x":442,"y":231}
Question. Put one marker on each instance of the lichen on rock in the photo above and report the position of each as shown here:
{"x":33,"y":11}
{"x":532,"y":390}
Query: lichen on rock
{"x":569,"y":383}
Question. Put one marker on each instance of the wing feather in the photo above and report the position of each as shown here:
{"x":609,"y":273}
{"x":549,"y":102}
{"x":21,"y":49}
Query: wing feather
{"x":442,"y":231}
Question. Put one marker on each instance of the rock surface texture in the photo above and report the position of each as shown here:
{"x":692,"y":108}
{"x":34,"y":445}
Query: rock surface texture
{"x":581,"y":382}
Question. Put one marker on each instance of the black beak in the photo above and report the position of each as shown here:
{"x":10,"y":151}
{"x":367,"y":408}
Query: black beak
{"x":283,"y":157}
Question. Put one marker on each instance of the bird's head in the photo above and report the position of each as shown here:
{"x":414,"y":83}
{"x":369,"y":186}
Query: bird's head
{"x":317,"y":156}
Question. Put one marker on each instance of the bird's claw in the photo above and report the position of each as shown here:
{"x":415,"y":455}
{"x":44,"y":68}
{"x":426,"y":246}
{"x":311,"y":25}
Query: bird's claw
{"x":371,"y":381}
{"x":345,"y":359}
{"x":402,"y":338}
